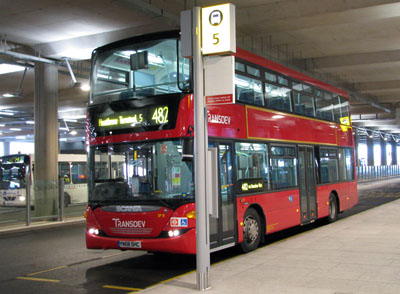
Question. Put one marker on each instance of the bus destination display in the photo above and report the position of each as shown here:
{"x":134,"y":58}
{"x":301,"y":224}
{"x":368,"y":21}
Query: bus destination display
{"x":148,"y":117}
{"x":140,"y":119}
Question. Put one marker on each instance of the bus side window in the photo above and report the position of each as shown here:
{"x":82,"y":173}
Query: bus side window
{"x":79,"y":172}
{"x":64,"y":172}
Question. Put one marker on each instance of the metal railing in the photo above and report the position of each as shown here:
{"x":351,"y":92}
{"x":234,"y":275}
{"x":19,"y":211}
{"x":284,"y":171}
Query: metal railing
{"x":377,"y":172}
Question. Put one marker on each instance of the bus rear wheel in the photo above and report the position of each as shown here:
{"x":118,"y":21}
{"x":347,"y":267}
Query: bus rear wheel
{"x":67,"y":199}
{"x":251,"y":230}
{"x":333,"y":209}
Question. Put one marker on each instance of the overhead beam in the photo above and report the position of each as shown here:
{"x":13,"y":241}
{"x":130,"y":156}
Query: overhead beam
{"x":378,"y":85}
{"x":304,"y":14}
{"x":355,"y":59}
{"x":158,"y":20}
{"x":369,"y":100}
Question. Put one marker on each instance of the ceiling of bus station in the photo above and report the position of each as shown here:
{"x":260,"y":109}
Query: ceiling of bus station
{"x":353,"y":44}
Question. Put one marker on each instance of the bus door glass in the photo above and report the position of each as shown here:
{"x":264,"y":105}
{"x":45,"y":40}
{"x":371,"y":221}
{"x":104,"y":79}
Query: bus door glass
{"x":307,"y":184}
{"x":222,"y":228}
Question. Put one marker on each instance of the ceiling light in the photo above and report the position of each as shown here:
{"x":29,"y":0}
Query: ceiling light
{"x":30,"y":122}
{"x":15,"y":129}
{"x":20,"y":137}
{"x":73,"y":133}
{"x":85,"y":87}
{"x":2,"y":125}
{"x":9,"y":68}
{"x":6,"y":113}
{"x":80,"y":54}
{"x":18,"y":92}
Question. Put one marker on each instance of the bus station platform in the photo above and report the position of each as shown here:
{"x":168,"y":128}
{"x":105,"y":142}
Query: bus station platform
{"x":356,"y":254}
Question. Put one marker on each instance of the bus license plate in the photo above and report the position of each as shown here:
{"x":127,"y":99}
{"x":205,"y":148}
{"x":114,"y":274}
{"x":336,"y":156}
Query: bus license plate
{"x":129,"y":244}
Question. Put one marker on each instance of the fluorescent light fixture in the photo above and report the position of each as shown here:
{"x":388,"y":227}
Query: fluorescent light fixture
{"x":73,"y":133}
{"x":30,"y":122}
{"x":63,"y":140}
{"x":9,"y":68}
{"x":2,"y":125}
{"x":74,"y":117}
{"x":7,"y":95}
{"x":81,"y":53}
{"x":20,"y":137}
{"x":15,"y":129}
{"x":6,"y":113}
{"x":63,"y":129}
{"x":85,"y":87}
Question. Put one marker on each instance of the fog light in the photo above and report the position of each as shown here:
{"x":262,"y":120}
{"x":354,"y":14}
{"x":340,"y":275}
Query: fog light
{"x":174,"y":233}
{"x":93,"y":231}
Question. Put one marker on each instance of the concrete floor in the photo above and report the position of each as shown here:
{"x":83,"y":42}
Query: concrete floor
{"x":357,"y":254}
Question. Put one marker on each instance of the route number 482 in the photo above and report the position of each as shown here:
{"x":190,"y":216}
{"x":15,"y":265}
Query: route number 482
{"x":160,"y":115}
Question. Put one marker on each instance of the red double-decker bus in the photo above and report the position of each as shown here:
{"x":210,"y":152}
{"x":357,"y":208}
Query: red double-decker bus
{"x":285,"y":150}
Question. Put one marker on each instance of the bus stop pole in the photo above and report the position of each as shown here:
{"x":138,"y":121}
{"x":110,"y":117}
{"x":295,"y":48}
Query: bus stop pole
{"x":200,"y":148}
{"x":28,"y":199}
{"x":61,"y":197}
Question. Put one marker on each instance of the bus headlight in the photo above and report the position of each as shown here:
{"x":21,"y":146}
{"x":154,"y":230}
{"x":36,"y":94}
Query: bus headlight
{"x":21,"y":198}
{"x":173,"y":233}
{"x":93,"y":231}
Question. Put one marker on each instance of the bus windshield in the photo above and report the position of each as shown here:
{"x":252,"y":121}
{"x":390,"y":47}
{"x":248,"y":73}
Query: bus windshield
{"x":139,"y":70}
{"x":12,"y":176}
{"x":141,"y":173}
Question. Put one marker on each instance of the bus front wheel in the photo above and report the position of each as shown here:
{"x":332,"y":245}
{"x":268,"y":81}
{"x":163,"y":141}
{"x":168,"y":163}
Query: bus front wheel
{"x":251,"y":230}
{"x":333,"y":209}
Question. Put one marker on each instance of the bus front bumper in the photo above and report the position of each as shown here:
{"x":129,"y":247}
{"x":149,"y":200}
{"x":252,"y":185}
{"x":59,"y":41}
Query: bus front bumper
{"x":183,"y":244}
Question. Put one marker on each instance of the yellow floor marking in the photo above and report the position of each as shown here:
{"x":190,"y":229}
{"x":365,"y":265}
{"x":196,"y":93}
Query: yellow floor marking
{"x":38,"y":279}
{"x":115,"y":254}
{"x":121,"y":288}
{"x":48,"y":270}
{"x":165,"y":281}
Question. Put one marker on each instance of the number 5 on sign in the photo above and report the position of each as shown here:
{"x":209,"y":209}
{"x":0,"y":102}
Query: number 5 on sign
{"x":218,"y":29}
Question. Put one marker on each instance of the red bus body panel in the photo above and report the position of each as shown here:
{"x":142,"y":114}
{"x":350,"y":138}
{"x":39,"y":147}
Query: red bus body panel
{"x":280,"y":209}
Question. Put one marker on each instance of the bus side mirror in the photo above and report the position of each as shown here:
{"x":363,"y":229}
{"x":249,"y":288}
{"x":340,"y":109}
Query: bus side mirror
{"x":139,"y":60}
{"x":187,"y":150}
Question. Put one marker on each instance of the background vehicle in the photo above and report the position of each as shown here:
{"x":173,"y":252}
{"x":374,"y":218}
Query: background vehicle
{"x":285,"y":150}
{"x":14,"y":168}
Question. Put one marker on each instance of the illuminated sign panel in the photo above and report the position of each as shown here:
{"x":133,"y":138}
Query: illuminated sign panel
{"x":251,"y":185}
{"x":218,"y":29}
{"x":133,"y":115}
{"x":150,"y":116}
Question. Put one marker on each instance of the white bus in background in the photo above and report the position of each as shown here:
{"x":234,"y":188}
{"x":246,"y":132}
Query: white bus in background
{"x":14,"y":168}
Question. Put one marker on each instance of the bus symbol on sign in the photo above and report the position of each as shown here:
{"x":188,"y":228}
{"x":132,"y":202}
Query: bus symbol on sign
{"x":215,"y":17}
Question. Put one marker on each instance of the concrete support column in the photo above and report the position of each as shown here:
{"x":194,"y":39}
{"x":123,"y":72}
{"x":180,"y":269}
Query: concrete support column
{"x":394,"y":152}
{"x":383,"y":152}
{"x":46,"y":140}
{"x":370,"y":151}
{"x":6,"y":148}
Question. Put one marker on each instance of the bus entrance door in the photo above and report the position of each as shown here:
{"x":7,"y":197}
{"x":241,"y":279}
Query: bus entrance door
{"x":308,"y":192}
{"x":222,"y":229}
